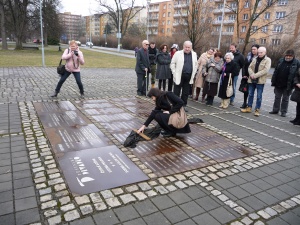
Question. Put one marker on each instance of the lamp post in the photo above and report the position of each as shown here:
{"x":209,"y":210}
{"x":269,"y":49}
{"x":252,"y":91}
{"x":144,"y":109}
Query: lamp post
{"x":119,"y":33}
{"x":148,"y":6}
{"x":42,"y":37}
{"x":220,"y":34}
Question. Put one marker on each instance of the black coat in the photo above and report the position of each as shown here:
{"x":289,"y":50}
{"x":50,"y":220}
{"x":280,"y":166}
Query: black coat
{"x":232,"y":68}
{"x":142,"y":61}
{"x":163,"y":104}
{"x":293,"y":71}
{"x":239,"y":59}
{"x":163,"y":71}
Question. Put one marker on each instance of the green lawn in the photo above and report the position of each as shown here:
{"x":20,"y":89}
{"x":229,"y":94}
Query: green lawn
{"x":12,"y":58}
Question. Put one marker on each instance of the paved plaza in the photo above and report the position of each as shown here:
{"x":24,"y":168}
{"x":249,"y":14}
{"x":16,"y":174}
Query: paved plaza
{"x":258,"y":188}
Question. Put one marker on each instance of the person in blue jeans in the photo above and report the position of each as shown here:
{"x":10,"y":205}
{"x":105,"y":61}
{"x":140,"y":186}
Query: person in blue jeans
{"x":239,"y":59}
{"x":258,"y":72}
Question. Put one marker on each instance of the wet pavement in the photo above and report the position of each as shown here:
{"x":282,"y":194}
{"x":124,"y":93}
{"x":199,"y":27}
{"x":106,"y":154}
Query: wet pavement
{"x":234,"y":168}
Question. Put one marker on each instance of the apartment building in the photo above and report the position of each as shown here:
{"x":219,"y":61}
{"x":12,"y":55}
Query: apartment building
{"x":72,"y":26}
{"x":279,"y":22}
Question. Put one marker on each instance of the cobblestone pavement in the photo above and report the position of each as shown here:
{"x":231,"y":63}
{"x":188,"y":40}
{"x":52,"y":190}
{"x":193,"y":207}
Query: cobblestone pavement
{"x":260,"y":189}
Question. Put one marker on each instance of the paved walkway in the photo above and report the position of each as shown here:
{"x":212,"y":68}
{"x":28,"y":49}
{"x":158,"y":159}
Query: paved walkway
{"x":259,"y":189}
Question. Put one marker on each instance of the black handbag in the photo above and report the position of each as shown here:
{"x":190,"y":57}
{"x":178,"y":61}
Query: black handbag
{"x":243,"y":86}
{"x":61,"y":69}
{"x":295,"y":97}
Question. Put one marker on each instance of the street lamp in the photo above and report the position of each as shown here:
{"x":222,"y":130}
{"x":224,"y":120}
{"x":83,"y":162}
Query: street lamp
{"x":119,"y":30}
{"x":148,"y":6}
{"x":42,"y":37}
{"x":220,"y":34}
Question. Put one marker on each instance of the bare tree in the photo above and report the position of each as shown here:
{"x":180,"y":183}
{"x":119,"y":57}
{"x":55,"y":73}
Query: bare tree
{"x":125,"y":10}
{"x":194,"y":22}
{"x":255,"y":9}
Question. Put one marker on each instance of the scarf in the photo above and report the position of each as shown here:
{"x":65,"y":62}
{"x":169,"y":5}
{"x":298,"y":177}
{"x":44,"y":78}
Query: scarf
{"x":223,"y":72}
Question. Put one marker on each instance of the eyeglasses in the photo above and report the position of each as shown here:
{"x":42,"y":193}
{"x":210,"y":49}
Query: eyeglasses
{"x":289,"y":56}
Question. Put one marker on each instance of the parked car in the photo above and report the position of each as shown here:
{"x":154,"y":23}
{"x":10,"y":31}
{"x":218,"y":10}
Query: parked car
{"x":89,"y":44}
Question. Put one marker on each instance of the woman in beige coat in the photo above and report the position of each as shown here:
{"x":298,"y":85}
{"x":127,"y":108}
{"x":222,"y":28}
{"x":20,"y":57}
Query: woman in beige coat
{"x":199,"y":78}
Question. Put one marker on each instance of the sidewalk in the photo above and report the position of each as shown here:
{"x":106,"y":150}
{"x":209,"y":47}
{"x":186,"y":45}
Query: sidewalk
{"x":263,"y":188}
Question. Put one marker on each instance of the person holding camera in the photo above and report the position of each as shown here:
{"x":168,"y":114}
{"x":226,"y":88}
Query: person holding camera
{"x":74,"y":58}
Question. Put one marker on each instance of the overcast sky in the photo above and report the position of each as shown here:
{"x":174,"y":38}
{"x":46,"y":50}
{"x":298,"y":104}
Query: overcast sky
{"x":87,"y":7}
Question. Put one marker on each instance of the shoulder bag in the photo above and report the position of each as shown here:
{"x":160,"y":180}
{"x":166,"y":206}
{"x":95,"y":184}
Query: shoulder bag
{"x":243,"y":86}
{"x":295,"y":97}
{"x":61,"y":69}
{"x":229,"y":90}
{"x":178,"y":119}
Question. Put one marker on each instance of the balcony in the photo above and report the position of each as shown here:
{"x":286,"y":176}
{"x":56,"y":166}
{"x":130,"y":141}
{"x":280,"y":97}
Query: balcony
{"x":224,"y":22}
{"x":154,"y":10}
{"x":153,"y":18}
{"x":216,"y":11}
{"x":181,"y":6}
{"x":223,"y":33}
{"x":180,"y":15}
{"x":153,"y":25}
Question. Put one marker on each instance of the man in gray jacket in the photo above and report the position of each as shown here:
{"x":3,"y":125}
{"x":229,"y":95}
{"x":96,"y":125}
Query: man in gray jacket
{"x":142,"y":68}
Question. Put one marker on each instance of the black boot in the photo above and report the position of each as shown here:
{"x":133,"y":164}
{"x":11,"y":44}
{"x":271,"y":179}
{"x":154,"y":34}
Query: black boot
{"x":54,"y":94}
{"x":244,"y":105}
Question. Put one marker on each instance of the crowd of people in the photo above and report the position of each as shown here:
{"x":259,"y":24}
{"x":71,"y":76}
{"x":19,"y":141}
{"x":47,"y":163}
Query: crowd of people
{"x":213,"y":73}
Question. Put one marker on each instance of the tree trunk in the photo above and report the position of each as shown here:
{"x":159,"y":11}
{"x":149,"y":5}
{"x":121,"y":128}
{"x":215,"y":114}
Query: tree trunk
{"x":3,"y":31}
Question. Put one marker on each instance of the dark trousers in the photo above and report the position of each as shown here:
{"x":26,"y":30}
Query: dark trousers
{"x":64,"y":77}
{"x":281,"y":101}
{"x":184,"y":87}
{"x":170,"y":83}
{"x":141,"y":83}
{"x":163,"y":82}
{"x":298,"y":112}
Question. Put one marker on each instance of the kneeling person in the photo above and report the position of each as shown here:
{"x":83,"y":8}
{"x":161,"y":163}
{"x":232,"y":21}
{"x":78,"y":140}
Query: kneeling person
{"x":166,"y":103}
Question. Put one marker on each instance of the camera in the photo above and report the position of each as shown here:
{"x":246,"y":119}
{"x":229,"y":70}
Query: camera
{"x":76,"y":53}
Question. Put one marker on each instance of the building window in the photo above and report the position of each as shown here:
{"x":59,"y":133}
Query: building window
{"x":247,"y":4}
{"x":242,"y":40}
{"x":165,"y":6}
{"x":230,"y":29}
{"x":254,"y":28}
{"x":255,"y":16}
{"x":168,"y":30}
{"x":169,"y":14}
{"x":278,"y":28}
{"x":163,"y":22}
{"x":252,"y":40}
{"x":232,"y":17}
{"x":267,"y":15}
{"x":243,"y":29}
{"x":169,"y":22}
{"x":163,"y":30}
{"x":218,"y":28}
{"x":219,"y":18}
{"x":170,"y":6}
{"x":282,"y":2}
{"x":263,"y":41}
{"x":164,"y":15}
{"x":233,"y":5}
{"x":280,"y":15}
{"x":245,"y":16}
{"x":259,"y":3}
{"x":264,"y":29}
{"x":220,"y":6}
{"x":275,"y":41}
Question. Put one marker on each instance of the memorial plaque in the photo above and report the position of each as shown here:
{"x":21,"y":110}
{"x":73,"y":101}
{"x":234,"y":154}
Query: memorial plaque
{"x":65,"y":118}
{"x":46,"y":107}
{"x":113,"y":117}
{"x":98,"y":169}
{"x":65,"y":139}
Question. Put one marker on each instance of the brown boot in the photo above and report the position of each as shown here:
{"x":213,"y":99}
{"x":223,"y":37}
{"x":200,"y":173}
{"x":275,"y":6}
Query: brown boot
{"x":197,"y":93}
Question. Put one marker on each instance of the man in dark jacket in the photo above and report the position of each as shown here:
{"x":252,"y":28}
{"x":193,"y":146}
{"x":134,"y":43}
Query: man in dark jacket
{"x":240,"y":61}
{"x":282,"y":80}
{"x":142,"y":68}
{"x":153,"y":51}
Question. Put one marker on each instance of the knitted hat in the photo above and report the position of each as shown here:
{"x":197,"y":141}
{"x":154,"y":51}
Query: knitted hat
{"x":175,"y":46}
